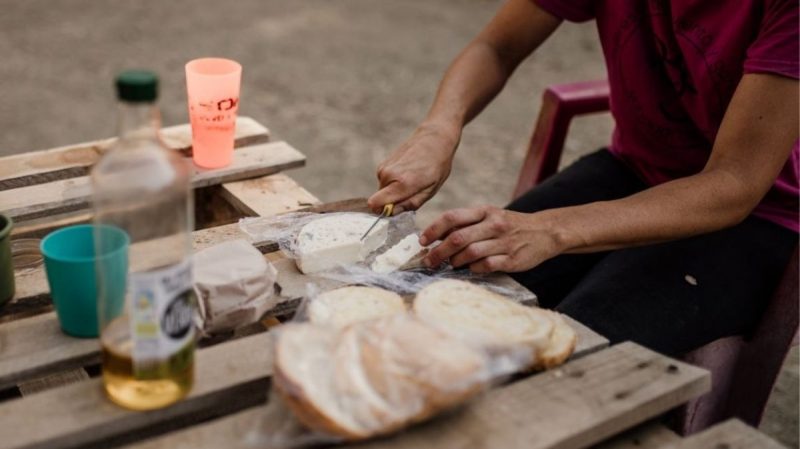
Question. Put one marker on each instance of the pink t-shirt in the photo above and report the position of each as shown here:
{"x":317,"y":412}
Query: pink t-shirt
{"x":673,"y":67}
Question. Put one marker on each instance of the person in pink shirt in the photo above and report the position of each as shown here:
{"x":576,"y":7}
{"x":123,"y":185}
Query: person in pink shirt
{"x":677,"y":233}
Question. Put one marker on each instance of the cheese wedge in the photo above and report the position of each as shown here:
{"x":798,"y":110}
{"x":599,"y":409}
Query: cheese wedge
{"x":399,"y":255}
{"x":335,"y":240}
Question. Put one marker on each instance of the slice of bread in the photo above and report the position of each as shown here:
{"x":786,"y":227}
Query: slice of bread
{"x":304,"y":357}
{"x":482,"y":316}
{"x":561,"y":345}
{"x":373,"y":377}
{"x":347,"y":305}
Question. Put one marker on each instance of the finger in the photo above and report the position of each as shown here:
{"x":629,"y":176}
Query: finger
{"x":449,"y":220}
{"x":458,"y":241}
{"x":491,"y":264}
{"x":413,"y":203}
{"x":394,"y":193}
{"x":477,"y":251}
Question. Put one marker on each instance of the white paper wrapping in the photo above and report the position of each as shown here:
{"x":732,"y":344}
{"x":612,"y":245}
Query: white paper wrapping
{"x":234,"y":284}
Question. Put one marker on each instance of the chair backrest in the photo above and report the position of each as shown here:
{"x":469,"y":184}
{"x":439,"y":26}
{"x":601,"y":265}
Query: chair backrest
{"x":560,"y":103}
{"x":745,"y":368}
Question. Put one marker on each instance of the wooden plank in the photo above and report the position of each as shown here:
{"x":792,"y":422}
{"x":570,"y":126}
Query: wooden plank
{"x":73,"y":194}
{"x":731,"y":434}
{"x":650,"y":435}
{"x":580,"y":404}
{"x":589,"y":341}
{"x":72,"y":161}
{"x":229,"y":377}
{"x":39,"y":227}
{"x":52,"y":381}
{"x":268,"y":195}
{"x":35,"y":346}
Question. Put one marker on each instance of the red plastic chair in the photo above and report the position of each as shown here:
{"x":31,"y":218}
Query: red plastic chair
{"x":743,"y":368}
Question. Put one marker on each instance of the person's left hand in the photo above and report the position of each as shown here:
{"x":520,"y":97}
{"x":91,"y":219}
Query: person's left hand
{"x":490,"y":239}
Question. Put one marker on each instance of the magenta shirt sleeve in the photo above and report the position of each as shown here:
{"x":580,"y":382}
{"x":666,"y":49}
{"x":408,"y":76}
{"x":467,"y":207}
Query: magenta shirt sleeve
{"x":571,"y":10}
{"x":775,"y":48}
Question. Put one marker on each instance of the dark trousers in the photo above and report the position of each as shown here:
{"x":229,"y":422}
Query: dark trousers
{"x":671,"y":297}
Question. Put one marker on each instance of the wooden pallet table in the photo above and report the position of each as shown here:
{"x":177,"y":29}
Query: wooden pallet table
{"x":50,"y":396}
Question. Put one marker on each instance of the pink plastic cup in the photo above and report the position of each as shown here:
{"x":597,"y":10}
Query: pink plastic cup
{"x":212,"y":85}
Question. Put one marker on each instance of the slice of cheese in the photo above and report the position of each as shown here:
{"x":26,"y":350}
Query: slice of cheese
{"x":336,"y":240}
{"x":398,"y":255}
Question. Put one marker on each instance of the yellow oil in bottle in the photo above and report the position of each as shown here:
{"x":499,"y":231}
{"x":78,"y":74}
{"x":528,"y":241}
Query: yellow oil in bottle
{"x":165,"y":384}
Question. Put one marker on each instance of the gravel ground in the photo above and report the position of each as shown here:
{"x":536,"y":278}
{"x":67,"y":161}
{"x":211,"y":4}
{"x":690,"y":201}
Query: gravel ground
{"x":342,"y":80}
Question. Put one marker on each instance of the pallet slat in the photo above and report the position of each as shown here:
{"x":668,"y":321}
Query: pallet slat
{"x":228,"y":375}
{"x":71,"y":161}
{"x":580,"y":404}
{"x":259,"y":196}
{"x":35,"y":346}
{"x":54,"y":380}
{"x":74,"y":193}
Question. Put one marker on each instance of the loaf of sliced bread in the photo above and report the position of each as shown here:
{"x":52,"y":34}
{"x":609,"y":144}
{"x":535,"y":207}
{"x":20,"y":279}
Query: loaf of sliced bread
{"x":347,"y":305}
{"x":373,"y":377}
{"x":336,"y":240}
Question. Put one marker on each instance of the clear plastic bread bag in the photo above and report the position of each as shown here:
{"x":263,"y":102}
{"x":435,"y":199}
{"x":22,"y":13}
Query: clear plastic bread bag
{"x":369,"y":378}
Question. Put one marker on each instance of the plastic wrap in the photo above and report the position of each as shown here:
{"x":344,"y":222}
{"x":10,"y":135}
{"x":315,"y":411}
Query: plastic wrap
{"x":234,"y":285}
{"x":371,"y":378}
{"x":284,"y":229}
{"x":409,"y":282}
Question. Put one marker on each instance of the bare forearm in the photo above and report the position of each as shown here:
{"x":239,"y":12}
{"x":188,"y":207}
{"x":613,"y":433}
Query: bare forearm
{"x":690,"y":206}
{"x":481,"y":70}
{"x":474,"y":78}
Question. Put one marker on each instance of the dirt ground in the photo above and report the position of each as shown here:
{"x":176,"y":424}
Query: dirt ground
{"x":342,"y":80}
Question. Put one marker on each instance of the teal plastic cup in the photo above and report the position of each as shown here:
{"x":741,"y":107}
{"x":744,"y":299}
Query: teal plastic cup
{"x":71,"y":263}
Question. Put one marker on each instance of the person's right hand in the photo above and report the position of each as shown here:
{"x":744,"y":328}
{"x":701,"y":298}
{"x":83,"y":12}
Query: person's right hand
{"x":416,"y":170}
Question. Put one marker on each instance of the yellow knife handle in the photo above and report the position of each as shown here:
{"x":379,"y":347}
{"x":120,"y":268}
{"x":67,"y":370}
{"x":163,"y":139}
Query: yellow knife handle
{"x":387,"y":210}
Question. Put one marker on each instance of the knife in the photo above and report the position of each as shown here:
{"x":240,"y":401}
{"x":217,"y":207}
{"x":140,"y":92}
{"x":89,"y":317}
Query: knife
{"x":385,"y":213}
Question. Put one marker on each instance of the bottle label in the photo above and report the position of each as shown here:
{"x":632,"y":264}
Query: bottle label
{"x":162,"y":323}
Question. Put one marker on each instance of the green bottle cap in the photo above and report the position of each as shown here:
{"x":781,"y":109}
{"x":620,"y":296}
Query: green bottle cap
{"x":137,"y":86}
